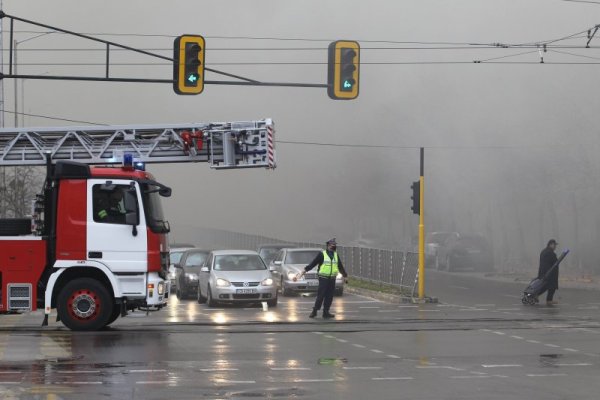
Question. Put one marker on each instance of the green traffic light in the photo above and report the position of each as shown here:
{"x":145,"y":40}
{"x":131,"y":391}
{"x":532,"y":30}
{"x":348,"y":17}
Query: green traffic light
{"x":347,"y":84}
{"x":192,"y":78}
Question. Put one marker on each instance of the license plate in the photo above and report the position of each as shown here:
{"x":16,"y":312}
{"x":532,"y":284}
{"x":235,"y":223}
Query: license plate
{"x":313,"y":283}
{"x":245,"y":291}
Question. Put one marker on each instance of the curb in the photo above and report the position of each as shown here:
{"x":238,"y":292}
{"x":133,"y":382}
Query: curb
{"x":389,"y":298}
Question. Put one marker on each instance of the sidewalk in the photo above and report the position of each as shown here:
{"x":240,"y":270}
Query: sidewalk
{"x":565,"y":281}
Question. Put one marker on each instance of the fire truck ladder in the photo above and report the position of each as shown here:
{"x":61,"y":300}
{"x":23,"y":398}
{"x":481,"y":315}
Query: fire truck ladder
{"x":224,"y":145}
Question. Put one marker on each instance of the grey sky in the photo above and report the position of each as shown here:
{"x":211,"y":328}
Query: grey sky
{"x":360,"y":195}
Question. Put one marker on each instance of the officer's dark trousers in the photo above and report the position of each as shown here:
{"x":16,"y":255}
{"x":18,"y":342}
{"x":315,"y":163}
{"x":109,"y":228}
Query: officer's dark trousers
{"x":325,"y":293}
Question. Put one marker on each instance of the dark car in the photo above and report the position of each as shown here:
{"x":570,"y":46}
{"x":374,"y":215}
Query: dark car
{"x":268,"y":252}
{"x":188,"y":271}
{"x":465,"y":251}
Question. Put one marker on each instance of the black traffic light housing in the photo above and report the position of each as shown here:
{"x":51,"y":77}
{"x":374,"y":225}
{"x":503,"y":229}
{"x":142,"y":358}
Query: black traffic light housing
{"x":416,"y":197}
{"x":188,"y":64}
{"x":343,"y":70}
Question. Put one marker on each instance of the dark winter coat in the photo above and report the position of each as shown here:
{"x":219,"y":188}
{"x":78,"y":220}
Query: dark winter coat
{"x":547,"y":260}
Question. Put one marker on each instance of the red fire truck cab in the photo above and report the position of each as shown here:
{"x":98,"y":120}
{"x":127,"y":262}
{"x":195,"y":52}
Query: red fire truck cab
{"x":98,"y":247}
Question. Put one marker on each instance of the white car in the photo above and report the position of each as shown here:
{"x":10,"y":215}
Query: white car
{"x":236,"y":276}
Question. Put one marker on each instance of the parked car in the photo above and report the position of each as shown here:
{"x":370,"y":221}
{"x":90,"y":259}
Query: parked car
{"x":433,"y":241}
{"x":268,"y":251}
{"x":188,"y":271}
{"x":175,"y":253}
{"x":236,"y":276}
{"x":289,"y":262}
{"x":465,"y":251}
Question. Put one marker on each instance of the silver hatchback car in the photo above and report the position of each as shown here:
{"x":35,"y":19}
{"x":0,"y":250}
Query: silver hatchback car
{"x":235,"y":276}
{"x":290,"y":262}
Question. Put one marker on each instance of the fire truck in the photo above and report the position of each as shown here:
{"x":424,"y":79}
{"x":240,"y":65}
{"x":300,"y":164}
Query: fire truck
{"x":96,"y":245}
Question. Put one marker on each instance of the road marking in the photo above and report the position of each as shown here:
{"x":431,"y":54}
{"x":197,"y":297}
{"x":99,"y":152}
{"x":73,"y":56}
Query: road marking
{"x":290,"y":369}
{"x":218,"y":369}
{"x":313,"y":380}
{"x":500,"y":365}
{"x":470,"y":376}
{"x":143,"y":371}
{"x":370,"y":307}
{"x":459,"y":287}
{"x":534,"y":341}
{"x":485,"y":305}
{"x":439,"y":367}
{"x":571,"y":350}
{"x":398,"y":378}
{"x":10,"y":372}
{"x":330,"y":337}
{"x":544,"y":375}
{"x":9,"y":383}
{"x":498,"y":333}
{"x":78,"y":372}
{"x":516,"y":337}
{"x":232,"y":382}
{"x":473,"y":309}
{"x":392,"y":356}
{"x":152,"y":382}
{"x":360,"y":346}
{"x":81,"y":383}
{"x":362,"y":367}
{"x":551,"y":345}
{"x":428,"y":311}
{"x":508,"y":309}
{"x":411,"y":306}
{"x":485,"y":330}
{"x":342,"y":340}
{"x":376,"y":351}
{"x":318,"y":333}
{"x":573,"y":365}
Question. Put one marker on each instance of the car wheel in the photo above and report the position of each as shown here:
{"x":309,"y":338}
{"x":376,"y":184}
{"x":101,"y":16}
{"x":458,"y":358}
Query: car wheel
{"x":272,"y":303}
{"x":116,"y":312}
{"x":209,"y":299}
{"x":285,"y":292}
{"x":201,"y":299}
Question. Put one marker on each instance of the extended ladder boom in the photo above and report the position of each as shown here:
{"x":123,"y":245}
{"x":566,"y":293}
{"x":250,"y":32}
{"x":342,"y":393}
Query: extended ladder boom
{"x":244,"y":144}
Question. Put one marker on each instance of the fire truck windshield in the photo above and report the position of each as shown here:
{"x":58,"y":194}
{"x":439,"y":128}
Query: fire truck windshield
{"x":151,"y":193}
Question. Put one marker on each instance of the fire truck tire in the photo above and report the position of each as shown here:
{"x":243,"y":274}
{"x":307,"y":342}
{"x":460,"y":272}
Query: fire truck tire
{"x":15,"y":226}
{"x":85,"y":305}
{"x":116,"y":312}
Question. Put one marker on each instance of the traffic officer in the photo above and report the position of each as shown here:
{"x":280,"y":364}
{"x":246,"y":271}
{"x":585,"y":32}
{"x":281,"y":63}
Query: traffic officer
{"x":329,"y":266}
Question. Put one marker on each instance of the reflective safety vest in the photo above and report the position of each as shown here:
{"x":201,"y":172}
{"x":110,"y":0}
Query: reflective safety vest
{"x":329,"y":268}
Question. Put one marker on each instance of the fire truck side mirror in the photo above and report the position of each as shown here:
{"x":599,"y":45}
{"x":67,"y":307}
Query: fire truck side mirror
{"x":132,"y":216}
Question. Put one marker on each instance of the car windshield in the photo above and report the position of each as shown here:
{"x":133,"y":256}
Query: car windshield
{"x":438,"y":238}
{"x":239,"y":262}
{"x":473,"y":241}
{"x":176,"y":257}
{"x":300,"y":257}
{"x":268,"y":253}
{"x":195,"y":259}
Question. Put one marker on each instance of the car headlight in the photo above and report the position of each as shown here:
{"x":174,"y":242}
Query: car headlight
{"x":291,"y":275}
{"x":191,"y":276}
{"x":339,"y":276}
{"x":222,"y":282}
{"x":267,"y":282}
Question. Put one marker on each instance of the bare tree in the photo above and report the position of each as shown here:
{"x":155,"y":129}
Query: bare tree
{"x":18,"y":187}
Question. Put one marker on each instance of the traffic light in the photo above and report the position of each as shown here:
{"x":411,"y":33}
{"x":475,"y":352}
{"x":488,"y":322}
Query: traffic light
{"x":416,"y":197}
{"x":343,"y":70}
{"x":188,"y":64}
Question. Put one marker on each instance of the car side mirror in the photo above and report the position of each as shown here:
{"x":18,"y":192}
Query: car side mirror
{"x":277,"y":262}
{"x":204,"y":269}
{"x":273,"y":268}
{"x":178,"y":266}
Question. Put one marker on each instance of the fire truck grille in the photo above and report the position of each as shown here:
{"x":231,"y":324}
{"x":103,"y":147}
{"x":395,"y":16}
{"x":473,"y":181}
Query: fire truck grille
{"x":19,"y":291}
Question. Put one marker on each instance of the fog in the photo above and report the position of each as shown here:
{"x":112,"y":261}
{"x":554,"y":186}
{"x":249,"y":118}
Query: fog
{"x":511,"y":149}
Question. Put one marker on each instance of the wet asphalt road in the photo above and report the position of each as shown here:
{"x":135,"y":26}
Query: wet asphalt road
{"x":478,"y":343}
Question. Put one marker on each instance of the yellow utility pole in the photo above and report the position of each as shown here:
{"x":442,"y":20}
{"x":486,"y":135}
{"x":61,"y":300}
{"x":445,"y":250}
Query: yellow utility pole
{"x":422,"y":227}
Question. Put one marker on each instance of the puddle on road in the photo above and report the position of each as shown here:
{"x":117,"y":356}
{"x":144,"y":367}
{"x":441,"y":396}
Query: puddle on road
{"x":332,"y":361}
{"x":549,"y":360}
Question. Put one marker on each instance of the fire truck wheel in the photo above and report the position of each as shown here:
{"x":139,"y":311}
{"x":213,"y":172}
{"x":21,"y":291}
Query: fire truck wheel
{"x":116,"y":312}
{"x":85,"y":305}
{"x":15,"y":226}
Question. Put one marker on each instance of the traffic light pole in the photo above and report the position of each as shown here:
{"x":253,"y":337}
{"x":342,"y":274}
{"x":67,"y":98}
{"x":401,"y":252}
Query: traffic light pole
{"x":422,"y":227}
